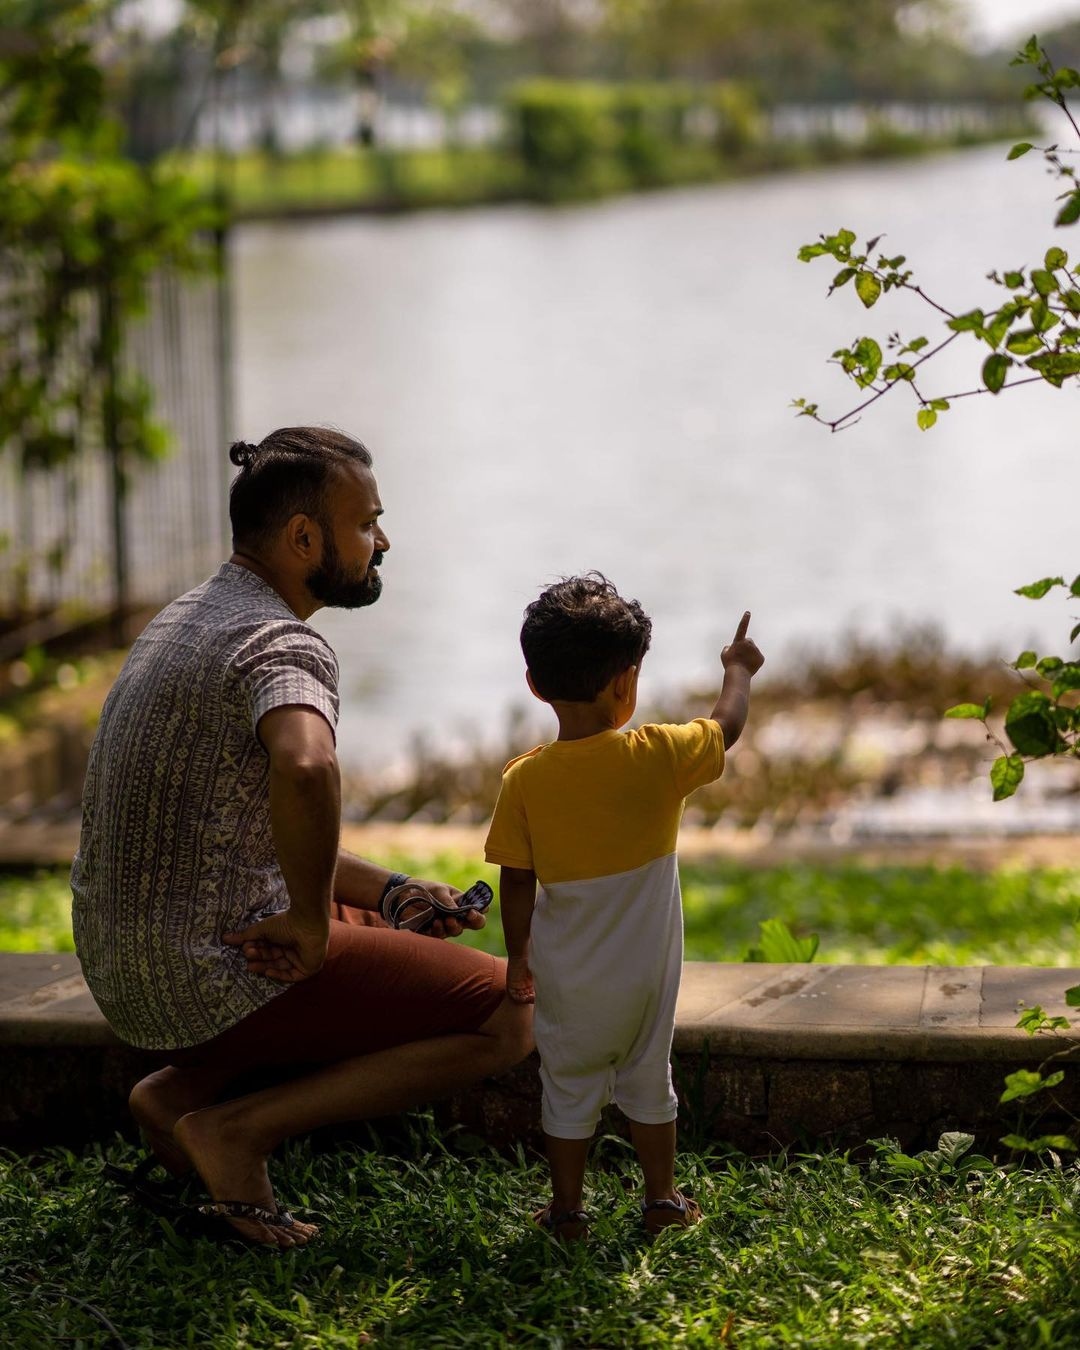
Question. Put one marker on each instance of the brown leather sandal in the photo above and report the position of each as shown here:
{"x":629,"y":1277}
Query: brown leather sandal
{"x":681,"y":1212}
{"x":568,"y":1225}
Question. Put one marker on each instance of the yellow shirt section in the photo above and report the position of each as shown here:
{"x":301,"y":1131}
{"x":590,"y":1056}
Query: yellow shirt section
{"x":609,"y":803}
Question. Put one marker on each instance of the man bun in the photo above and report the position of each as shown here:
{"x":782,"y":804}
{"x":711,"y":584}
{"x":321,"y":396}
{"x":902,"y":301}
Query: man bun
{"x":242,"y":453}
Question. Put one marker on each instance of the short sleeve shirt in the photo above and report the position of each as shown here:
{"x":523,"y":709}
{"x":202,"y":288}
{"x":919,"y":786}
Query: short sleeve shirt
{"x":176,"y":848}
{"x":602,"y":805}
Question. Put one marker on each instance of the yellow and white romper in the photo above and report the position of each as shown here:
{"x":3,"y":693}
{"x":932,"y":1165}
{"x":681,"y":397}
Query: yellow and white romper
{"x":597,"y":820}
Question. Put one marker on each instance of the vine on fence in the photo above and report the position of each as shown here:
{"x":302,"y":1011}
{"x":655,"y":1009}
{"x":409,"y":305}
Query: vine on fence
{"x":79,"y":221}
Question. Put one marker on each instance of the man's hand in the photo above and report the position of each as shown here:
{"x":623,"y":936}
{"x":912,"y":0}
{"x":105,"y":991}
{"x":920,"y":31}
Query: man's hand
{"x":281,"y":949}
{"x":519,"y":980}
{"x":446,"y":926}
{"x":741,"y":650}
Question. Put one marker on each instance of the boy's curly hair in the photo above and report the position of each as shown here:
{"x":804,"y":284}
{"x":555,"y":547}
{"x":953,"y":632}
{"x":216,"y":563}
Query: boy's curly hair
{"x":579,"y":634}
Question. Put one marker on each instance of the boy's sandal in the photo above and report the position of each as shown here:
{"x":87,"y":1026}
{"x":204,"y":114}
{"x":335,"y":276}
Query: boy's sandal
{"x":568,"y":1225}
{"x":413,"y":907}
{"x":681,"y":1212}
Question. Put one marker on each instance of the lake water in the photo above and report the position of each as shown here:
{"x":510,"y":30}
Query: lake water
{"x":608,"y":386}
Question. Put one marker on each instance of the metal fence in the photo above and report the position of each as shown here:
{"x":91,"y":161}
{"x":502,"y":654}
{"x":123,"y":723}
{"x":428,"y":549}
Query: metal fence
{"x":89,"y":539}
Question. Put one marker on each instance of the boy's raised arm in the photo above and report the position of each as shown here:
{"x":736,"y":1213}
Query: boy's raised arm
{"x":741,"y":660}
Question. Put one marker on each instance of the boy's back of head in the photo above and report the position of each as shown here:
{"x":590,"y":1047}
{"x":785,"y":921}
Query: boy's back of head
{"x":579,"y":634}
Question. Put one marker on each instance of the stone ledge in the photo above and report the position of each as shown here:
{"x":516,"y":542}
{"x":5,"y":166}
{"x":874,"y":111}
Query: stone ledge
{"x":927,"y":1013}
{"x":767,"y":1054}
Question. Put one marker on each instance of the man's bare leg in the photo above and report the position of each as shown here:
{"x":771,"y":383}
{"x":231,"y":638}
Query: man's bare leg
{"x":159,"y":1100}
{"x":230,"y":1143}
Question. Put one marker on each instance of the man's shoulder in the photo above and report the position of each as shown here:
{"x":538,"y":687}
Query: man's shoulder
{"x":236,"y":609}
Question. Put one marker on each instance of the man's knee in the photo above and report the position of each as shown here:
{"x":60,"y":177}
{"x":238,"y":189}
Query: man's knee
{"x":511,"y":1027}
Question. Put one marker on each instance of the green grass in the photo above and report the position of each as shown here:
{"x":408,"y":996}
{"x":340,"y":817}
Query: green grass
{"x":894,"y":915}
{"x":428,"y":1244}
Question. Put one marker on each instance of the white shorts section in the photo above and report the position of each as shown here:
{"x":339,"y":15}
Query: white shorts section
{"x":606,"y":957}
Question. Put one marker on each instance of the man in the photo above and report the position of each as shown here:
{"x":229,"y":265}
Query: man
{"x":215,"y":916}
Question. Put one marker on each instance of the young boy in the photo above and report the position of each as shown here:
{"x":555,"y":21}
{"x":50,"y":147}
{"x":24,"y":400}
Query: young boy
{"x":594,"y":817}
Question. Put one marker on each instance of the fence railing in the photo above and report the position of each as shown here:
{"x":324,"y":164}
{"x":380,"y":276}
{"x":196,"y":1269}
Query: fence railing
{"x":101,"y":535}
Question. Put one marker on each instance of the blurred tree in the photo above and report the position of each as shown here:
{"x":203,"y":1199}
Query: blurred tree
{"x":818,"y":48}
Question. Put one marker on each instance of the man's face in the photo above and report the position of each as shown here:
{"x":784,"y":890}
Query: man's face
{"x":353,"y":542}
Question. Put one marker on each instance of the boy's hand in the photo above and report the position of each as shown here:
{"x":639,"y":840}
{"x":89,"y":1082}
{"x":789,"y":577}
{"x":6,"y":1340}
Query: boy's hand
{"x":741,"y":650}
{"x":519,"y":980}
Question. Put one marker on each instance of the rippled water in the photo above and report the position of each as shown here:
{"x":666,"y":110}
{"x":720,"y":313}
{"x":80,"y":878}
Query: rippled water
{"x":607,"y":386}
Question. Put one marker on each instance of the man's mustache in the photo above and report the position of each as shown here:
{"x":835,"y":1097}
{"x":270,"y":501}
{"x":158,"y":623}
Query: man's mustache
{"x":376,"y":560}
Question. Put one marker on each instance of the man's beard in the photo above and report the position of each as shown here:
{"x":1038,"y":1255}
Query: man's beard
{"x":334,"y":585}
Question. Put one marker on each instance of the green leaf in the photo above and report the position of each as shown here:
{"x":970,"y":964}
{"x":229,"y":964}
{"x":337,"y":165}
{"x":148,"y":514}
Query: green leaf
{"x":1006,"y":775}
{"x":1070,"y":212}
{"x":916,"y":344}
{"x":926,"y":417}
{"x":809,"y":251}
{"x":940,"y":404}
{"x":994,"y":370}
{"x":954,"y":1144}
{"x":779,"y":944}
{"x":1014,"y":279}
{"x":1066,"y":680}
{"x":868,"y":288}
{"x":969,"y":710}
{"x":971,"y":322}
{"x":1043,"y":281}
{"x":1026,"y":1082}
{"x":1049,"y":664}
{"x":1055,"y":258}
{"x":1025,"y":660}
{"x":1024,"y":342}
{"x":842,"y":277}
{"x":1075,"y":633}
{"x":1072,"y":996}
{"x":1056,"y":367}
{"x":1074,"y":589}
{"x":1020,"y":148}
{"x":1030,"y":725}
{"x":1037,"y":589}
{"x":1056,"y":1142}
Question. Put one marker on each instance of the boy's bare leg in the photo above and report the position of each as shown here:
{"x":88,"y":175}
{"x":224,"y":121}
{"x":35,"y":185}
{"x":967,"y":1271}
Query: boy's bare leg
{"x":230,"y":1143}
{"x":567,"y":1159}
{"x":655,"y":1147}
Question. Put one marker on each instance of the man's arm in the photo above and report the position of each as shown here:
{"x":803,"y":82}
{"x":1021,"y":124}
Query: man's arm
{"x":360,"y":885}
{"x":741,"y":660}
{"x":517,"y":899}
{"x":305,"y":820}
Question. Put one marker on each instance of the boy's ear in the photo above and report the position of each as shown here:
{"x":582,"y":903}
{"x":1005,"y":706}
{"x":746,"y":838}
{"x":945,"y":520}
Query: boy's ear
{"x":624,"y":683}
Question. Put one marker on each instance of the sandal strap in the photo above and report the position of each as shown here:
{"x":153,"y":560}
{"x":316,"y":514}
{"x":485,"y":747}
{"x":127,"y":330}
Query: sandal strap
{"x":546,"y":1219}
{"x":678,"y":1204}
{"x":243,"y":1209}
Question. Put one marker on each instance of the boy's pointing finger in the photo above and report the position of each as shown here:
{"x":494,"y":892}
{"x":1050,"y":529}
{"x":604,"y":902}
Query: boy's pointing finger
{"x":744,"y":624}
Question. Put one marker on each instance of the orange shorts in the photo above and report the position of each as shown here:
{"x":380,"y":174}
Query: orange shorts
{"x":378,"y":988}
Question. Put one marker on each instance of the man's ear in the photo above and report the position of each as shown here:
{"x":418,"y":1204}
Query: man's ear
{"x":303,"y":536}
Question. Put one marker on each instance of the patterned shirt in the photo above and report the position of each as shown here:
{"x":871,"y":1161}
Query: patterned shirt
{"x":176,"y":848}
